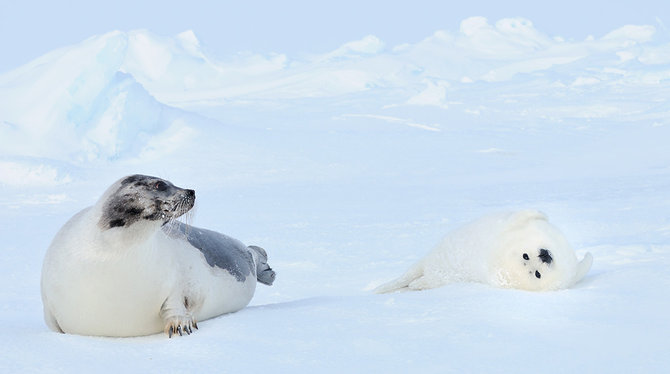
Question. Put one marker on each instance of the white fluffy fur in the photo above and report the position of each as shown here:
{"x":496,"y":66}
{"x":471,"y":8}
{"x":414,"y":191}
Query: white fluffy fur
{"x":114,"y":282}
{"x":490,"y":250}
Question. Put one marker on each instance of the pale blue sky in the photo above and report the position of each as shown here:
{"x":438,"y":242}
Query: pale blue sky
{"x":31,"y":28}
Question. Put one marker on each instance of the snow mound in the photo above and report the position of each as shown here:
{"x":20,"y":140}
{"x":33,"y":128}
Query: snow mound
{"x":77,"y":104}
{"x":107,"y":97}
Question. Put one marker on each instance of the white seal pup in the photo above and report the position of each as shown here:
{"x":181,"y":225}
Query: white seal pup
{"x":123,"y":267}
{"x":511,"y":250}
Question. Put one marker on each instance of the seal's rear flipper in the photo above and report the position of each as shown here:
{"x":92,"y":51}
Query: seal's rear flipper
{"x":264,"y":272}
{"x":404,"y":281}
{"x":583,"y":267}
{"x":51,"y":320}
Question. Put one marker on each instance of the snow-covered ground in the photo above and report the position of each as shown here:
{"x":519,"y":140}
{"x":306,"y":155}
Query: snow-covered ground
{"x":347,"y":167}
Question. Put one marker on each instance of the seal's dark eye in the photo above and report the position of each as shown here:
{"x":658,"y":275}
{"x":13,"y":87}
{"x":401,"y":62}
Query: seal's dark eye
{"x":160,"y":186}
{"x":525,"y":256}
{"x":537,"y":274}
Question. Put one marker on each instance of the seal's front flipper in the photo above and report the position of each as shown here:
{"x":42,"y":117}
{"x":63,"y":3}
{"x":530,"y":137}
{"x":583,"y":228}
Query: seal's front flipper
{"x":177,"y":316}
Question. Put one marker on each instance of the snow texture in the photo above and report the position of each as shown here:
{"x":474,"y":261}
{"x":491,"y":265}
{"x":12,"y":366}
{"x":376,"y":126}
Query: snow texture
{"x":347,"y":167}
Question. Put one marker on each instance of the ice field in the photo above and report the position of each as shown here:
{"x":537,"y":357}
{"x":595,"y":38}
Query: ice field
{"x":347,"y":167}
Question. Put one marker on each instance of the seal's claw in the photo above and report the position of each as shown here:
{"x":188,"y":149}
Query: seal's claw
{"x":180,"y":325}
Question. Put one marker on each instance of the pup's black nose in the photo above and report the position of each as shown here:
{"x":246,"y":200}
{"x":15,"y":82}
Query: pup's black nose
{"x":190,"y":193}
{"x":545,"y":256}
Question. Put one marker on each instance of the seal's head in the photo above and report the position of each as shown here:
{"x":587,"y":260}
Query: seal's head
{"x":534,"y":255}
{"x":138,"y":198}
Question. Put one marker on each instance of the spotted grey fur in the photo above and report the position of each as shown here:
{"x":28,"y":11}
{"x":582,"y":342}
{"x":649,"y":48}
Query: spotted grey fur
{"x":141,"y":197}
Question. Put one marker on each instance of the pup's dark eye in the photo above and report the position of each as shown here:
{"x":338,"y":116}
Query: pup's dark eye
{"x":160,"y":186}
{"x":525,"y":256}
{"x":537,"y":274}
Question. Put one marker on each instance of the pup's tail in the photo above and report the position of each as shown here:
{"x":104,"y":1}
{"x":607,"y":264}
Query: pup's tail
{"x":414,"y":273}
{"x":583,"y":267}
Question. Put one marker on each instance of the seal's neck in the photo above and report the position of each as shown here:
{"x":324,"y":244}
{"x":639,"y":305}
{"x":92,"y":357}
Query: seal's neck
{"x":124,"y":238}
